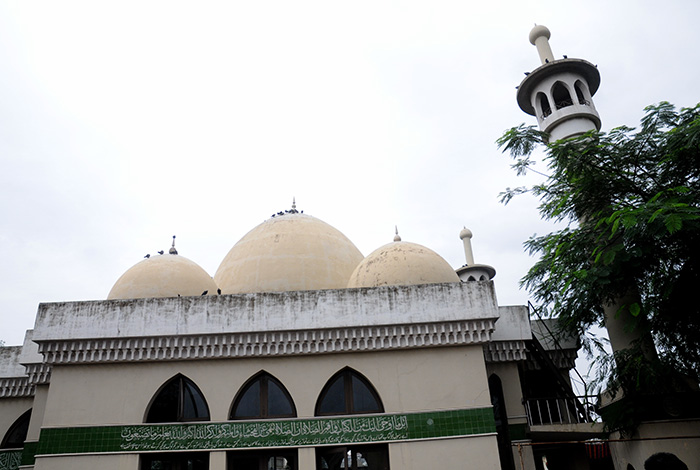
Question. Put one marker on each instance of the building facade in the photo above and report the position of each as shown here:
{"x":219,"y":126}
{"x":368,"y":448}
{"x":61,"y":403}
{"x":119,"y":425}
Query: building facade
{"x":308,"y":356}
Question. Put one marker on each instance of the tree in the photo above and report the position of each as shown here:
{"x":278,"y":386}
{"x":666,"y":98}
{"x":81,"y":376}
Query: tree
{"x":630,"y":200}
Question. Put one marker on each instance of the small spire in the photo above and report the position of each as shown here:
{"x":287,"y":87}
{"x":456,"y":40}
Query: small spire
{"x":465,"y":235}
{"x":539,"y":37}
{"x":172,"y":250}
{"x":397,"y":238}
{"x":293,"y":210}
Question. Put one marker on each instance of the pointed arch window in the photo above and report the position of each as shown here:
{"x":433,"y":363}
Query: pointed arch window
{"x":348,"y":392}
{"x":544,"y":104}
{"x":579,"y":94}
{"x":15,"y":436}
{"x":178,"y":400}
{"x":263,"y":396}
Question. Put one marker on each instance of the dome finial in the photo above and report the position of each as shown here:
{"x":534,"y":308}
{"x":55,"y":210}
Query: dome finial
{"x":293,"y":210}
{"x":397,"y":238}
{"x":172,"y":250}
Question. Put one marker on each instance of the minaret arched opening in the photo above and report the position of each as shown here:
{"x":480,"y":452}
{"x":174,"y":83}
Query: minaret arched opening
{"x":543,"y":105}
{"x":582,"y":93}
{"x":561,"y":95}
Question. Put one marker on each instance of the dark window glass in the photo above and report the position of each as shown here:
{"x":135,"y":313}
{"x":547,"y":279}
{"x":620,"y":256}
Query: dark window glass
{"x":263,"y":396}
{"x":363,"y":399}
{"x":176,"y":461}
{"x":194,"y":405}
{"x":348,"y":392}
{"x":374,"y":457}
{"x":178,"y":400}
{"x":333,"y":401}
{"x":278,"y":403}
{"x":249,"y":404}
{"x":17,"y":434}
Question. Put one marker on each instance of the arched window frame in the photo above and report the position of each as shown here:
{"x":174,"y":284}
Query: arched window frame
{"x":184,"y":383}
{"x":347,"y":374}
{"x":582,"y":86}
{"x":21,"y":425}
{"x":264,"y":378}
{"x":543,"y":105}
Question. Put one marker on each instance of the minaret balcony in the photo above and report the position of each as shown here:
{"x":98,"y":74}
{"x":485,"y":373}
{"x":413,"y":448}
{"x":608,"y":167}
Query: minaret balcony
{"x":570,"y":120}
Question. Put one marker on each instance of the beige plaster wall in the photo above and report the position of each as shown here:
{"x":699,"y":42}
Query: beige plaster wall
{"x":413,"y":380}
{"x":474,"y":453}
{"x":10,"y":410}
{"x":523,"y":457}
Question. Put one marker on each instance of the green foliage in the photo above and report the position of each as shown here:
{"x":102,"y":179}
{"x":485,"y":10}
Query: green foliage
{"x":631,"y":202}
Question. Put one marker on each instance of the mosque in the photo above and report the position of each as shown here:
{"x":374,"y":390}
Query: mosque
{"x":301,"y":353}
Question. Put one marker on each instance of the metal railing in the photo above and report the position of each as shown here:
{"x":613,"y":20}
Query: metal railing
{"x":546,"y":112}
{"x":546,"y":411}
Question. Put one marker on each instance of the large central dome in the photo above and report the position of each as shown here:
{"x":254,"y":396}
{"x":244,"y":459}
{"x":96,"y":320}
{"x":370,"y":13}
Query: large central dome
{"x":287,"y":253}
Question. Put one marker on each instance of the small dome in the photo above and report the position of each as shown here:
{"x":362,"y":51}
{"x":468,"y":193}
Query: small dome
{"x":287,"y":253}
{"x":401,"y":264}
{"x":538,"y":31}
{"x":163,"y":276}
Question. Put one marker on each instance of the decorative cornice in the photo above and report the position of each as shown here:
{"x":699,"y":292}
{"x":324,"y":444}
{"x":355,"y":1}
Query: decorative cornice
{"x":562,"y":359}
{"x":516,"y":350}
{"x":16,"y":387}
{"x":270,"y":343}
{"x":38,"y":373}
{"x":505,"y":351}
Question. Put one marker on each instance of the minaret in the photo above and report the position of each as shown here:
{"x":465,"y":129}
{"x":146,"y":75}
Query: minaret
{"x":472,"y":271}
{"x":560,"y":91}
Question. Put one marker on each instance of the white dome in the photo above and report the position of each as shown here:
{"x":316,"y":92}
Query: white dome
{"x":401,"y":264}
{"x":287,"y":253}
{"x":163,"y":276}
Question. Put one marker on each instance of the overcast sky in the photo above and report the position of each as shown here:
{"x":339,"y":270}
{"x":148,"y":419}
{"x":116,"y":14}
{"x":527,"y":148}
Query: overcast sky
{"x":125,"y":123}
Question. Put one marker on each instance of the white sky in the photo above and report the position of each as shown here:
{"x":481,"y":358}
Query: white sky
{"x":124,"y":123}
